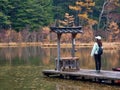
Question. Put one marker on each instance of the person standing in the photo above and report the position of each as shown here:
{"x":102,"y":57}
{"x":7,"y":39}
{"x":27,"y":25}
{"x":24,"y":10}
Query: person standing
{"x":95,"y":53}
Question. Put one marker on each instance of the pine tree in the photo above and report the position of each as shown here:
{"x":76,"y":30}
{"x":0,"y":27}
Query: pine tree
{"x":20,"y":14}
{"x":83,"y":9}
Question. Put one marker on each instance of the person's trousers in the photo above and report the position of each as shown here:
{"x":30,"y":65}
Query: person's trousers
{"x":97,"y":62}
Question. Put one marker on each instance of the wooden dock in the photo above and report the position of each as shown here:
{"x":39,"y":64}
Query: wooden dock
{"x":107,"y":76}
{"x":68,"y":67}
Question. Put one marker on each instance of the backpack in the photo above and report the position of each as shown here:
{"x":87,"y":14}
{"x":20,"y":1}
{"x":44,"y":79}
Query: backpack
{"x":100,"y":51}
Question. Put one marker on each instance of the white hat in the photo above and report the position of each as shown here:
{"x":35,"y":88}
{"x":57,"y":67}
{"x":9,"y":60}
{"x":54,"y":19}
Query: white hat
{"x":98,"y":37}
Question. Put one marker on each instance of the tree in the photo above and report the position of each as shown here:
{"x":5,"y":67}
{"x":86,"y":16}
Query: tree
{"x":67,"y":22}
{"x":60,"y":7}
{"x":107,"y":8}
{"x":18,"y":14}
{"x":114,"y":31}
{"x":4,"y":17}
{"x":83,"y":8}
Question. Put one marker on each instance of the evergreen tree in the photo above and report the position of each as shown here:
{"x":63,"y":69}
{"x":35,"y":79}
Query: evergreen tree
{"x":4,"y":17}
{"x":19,"y":14}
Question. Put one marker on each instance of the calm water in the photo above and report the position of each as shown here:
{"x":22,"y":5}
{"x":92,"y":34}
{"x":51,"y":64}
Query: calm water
{"x":21,"y":67}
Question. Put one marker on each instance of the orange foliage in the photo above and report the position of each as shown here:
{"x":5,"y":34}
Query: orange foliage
{"x":83,"y":14}
{"x":114,"y":31}
{"x":67,"y":22}
{"x":76,"y":8}
{"x":92,"y":22}
{"x":87,"y":36}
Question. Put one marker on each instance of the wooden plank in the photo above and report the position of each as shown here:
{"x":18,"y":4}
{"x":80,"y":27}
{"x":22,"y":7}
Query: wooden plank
{"x":68,"y":58}
{"x":111,"y":75}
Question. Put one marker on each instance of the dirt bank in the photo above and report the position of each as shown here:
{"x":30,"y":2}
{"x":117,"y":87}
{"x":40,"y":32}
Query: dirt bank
{"x":112,"y":45}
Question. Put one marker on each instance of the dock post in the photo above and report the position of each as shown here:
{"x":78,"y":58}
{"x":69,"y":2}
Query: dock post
{"x":58,"y":47}
{"x":73,"y":44}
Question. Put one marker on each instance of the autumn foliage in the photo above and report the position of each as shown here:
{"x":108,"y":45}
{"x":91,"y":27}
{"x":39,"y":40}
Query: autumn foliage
{"x":110,"y":30}
{"x":108,"y":25}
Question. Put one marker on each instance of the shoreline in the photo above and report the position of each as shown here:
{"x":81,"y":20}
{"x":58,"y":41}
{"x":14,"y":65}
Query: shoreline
{"x":112,"y":45}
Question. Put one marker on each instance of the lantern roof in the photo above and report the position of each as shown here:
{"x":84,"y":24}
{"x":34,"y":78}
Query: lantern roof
{"x":75,"y":30}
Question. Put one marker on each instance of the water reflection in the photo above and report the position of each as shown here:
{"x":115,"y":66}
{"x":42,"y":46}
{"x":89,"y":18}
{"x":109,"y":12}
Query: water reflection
{"x":19,"y":55}
{"x":21,"y":68}
{"x":37,"y":56}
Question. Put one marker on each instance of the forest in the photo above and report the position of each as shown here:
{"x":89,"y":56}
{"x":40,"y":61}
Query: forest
{"x":29,"y":20}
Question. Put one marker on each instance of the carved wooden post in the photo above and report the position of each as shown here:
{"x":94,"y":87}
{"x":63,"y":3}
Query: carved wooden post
{"x":58,"y":49}
{"x":73,"y":44}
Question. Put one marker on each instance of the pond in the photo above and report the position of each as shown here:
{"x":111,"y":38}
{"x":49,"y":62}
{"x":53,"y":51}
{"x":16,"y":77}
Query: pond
{"x":21,"y":68}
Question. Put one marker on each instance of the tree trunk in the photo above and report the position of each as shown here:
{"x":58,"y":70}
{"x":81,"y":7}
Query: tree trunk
{"x":102,"y":11}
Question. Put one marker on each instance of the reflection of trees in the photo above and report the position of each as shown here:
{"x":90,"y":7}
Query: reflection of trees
{"x":85,"y":58}
{"x":65,"y":52}
{"x":21,"y":54}
{"x":111,"y":59}
{"x":49,"y":53}
{"x":8,"y":54}
{"x":46,"y":54}
{"x":84,"y":55}
{"x":36,"y":55}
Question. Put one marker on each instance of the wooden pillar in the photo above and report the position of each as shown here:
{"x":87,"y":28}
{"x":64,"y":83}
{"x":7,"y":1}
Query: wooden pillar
{"x":58,"y":51}
{"x":73,"y":44}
